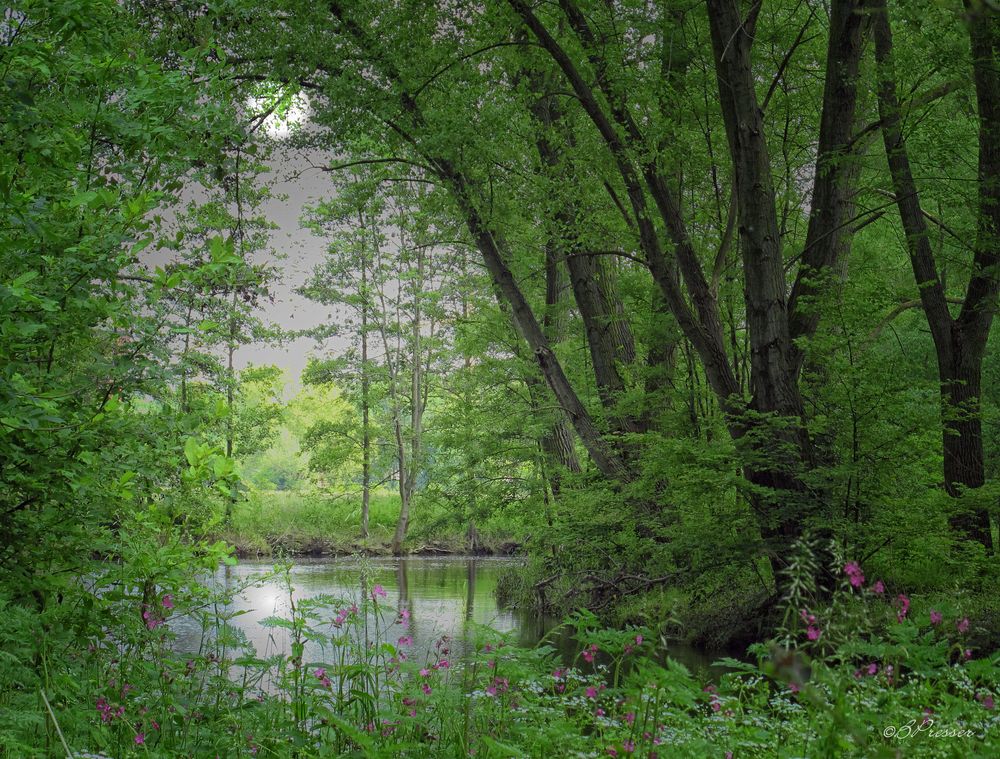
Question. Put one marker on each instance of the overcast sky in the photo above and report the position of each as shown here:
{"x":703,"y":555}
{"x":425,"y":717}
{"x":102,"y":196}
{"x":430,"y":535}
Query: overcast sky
{"x":295,"y":185}
{"x":292,"y":177}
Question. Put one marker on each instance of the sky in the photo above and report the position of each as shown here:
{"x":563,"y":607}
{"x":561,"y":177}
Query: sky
{"x":295,"y":184}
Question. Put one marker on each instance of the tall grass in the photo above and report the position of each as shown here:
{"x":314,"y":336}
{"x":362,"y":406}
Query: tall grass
{"x":294,"y":522}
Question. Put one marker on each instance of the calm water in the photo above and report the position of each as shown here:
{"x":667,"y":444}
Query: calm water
{"x":444,"y":595}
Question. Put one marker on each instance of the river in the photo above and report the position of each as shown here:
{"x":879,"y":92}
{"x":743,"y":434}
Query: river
{"x":445,"y":596}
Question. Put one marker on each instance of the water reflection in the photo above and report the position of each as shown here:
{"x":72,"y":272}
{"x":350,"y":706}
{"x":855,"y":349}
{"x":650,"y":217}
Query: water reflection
{"x":445,"y":596}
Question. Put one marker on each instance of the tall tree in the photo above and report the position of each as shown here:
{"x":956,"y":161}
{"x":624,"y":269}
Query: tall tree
{"x":959,"y":342}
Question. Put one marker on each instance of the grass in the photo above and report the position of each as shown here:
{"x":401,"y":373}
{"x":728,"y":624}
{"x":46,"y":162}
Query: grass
{"x":275,"y":522}
{"x":295,"y":523}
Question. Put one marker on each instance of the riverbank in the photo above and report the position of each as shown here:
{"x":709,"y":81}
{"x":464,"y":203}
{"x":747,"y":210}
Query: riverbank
{"x":291,"y":524}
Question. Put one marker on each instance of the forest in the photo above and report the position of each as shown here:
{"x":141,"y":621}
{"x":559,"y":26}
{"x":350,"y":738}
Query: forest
{"x":499,"y":378}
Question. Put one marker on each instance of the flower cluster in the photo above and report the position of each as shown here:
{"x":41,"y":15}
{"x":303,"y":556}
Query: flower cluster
{"x":343,"y":614}
{"x":320,"y":674}
{"x":812,"y":629}
{"x":499,"y":685}
{"x":629,"y":647}
{"x":107,"y":711}
{"x":854,"y":574}
{"x":904,"y":607}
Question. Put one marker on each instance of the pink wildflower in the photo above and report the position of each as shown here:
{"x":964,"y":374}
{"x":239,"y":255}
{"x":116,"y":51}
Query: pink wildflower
{"x":904,"y":606}
{"x":794,"y":687}
{"x":963,"y":625}
{"x":591,"y":691}
{"x":878,"y":587}
{"x":630,"y":717}
{"x":638,"y":640}
{"x":426,"y":689}
{"x":968,"y":653}
{"x":320,"y":673}
{"x":936,"y":617}
{"x":853,"y":571}
{"x":405,"y":640}
{"x":378,"y":592}
{"x":424,"y":672}
{"x":628,"y":746}
{"x":813,"y":633}
{"x":588,"y":653}
{"x":168,"y":601}
{"x":491,"y":690}
{"x":443,"y":664}
{"x":873,"y":669}
{"x":599,"y":712}
{"x":140,"y":738}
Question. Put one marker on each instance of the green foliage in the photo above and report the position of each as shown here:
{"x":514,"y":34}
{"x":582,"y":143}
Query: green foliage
{"x":348,"y":682}
{"x":132,"y":155}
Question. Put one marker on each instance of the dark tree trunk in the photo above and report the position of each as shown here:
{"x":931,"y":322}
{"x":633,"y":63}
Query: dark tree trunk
{"x":779,"y":448}
{"x":604,"y":458}
{"x":609,"y":335}
{"x":961,"y":383}
{"x":958,"y":342}
{"x":557,"y":443}
{"x":828,"y":236}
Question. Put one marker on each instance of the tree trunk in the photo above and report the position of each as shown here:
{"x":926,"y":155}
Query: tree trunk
{"x":609,"y":336}
{"x":963,"y":443}
{"x":230,"y":392}
{"x":828,"y":236}
{"x":779,"y":446}
{"x":557,"y":443}
{"x":365,"y":391}
{"x":960,"y":342}
{"x":408,"y":478}
{"x":606,"y":460}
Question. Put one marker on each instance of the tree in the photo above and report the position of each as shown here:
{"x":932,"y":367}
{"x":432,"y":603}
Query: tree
{"x":960,"y":341}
